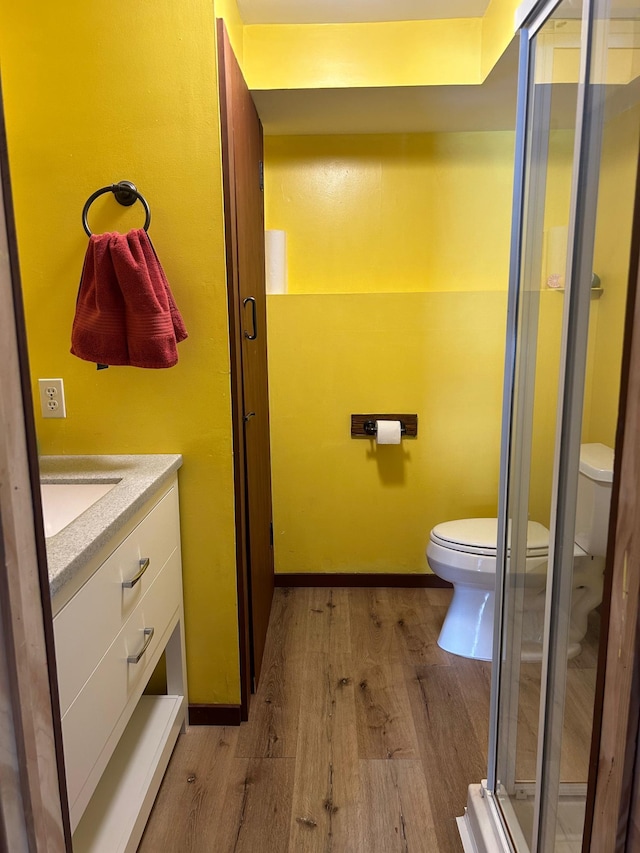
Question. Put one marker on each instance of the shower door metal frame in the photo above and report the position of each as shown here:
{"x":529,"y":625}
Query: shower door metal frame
{"x":569,"y":421}
{"x":582,"y":225}
{"x":517,"y":371}
{"x":538,"y":16}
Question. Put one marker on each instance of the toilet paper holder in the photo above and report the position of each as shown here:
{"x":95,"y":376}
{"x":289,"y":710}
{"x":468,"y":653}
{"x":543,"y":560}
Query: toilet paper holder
{"x":371,"y":429}
{"x":364,"y":426}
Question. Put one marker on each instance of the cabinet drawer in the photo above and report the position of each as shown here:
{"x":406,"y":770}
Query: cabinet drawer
{"x":92,"y":717}
{"x":85,"y":628}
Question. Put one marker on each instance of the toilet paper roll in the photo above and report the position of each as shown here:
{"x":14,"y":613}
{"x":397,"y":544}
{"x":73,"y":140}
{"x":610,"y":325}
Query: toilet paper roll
{"x":275,"y":251}
{"x":388,"y":432}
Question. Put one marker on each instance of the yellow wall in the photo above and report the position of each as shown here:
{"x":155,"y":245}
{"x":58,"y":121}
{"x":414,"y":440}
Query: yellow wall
{"x":341,"y":504}
{"x":611,"y":263}
{"x":497,"y":32}
{"x":396,"y":53}
{"x":606,"y":320}
{"x":398,"y":264}
{"x":228,"y":11}
{"x":385,"y":234}
{"x":391,"y":213}
{"x":94,"y":95}
{"x":86,"y":106}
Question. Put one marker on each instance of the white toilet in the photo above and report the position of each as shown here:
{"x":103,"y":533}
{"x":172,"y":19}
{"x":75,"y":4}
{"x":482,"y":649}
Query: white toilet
{"x":463,"y":552}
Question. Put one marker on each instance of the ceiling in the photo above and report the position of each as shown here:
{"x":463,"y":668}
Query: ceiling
{"x":355,"y":11}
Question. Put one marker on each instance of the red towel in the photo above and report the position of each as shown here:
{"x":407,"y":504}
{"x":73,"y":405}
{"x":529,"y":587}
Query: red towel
{"x":125,"y":311}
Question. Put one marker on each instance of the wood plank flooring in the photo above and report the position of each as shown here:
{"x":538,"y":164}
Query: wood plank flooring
{"x":363,"y":737}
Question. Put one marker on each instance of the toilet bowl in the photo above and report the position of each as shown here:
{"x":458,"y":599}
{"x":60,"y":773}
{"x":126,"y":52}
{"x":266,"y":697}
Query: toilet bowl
{"x":463,"y":552}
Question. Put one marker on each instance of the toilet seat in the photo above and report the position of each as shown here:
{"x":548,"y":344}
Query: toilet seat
{"x":464,"y":551}
{"x":479,"y":536}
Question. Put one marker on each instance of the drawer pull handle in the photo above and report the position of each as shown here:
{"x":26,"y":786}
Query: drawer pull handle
{"x":148,"y":632}
{"x":144,"y":565}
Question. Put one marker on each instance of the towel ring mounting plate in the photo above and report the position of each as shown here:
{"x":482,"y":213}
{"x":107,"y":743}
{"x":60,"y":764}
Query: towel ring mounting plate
{"x":125,"y":193}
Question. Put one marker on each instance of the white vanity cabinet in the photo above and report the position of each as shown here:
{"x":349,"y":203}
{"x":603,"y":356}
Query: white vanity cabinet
{"x":109,"y":637}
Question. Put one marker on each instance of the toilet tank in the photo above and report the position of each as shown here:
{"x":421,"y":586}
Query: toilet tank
{"x":594,"y":498}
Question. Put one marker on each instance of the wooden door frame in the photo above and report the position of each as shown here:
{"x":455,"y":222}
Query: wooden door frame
{"x":237,"y":409}
{"x":612,"y":820}
{"x":34,"y":813}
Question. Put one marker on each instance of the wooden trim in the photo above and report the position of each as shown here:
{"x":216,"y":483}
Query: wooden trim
{"x":215,"y":715}
{"x":614,"y":770}
{"x":34,"y":473}
{"x":235,"y":353}
{"x":363,"y":579}
{"x":33,"y":812}
{"x":410,"y":423}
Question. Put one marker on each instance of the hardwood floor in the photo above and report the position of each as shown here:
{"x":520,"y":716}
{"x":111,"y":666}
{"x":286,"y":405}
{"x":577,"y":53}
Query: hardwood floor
{"x":363,"y":737}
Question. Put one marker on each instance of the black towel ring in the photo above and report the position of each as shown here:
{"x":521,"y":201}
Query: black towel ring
{"x":125,"y":193}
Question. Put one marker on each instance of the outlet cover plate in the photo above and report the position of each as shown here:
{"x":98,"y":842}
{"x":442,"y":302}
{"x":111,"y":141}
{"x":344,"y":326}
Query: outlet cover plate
{"x":52,"y":402}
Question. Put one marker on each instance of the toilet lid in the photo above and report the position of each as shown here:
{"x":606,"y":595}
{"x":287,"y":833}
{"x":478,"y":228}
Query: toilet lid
{"x":480,"y":535}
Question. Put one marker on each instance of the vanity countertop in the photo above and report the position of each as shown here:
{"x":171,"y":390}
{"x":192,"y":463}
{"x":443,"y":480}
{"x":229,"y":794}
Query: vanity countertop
{"x":137,"y":478}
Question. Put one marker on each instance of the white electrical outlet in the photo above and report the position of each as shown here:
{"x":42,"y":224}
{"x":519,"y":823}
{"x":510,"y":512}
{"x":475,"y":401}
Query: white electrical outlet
{"x":52,"y":398}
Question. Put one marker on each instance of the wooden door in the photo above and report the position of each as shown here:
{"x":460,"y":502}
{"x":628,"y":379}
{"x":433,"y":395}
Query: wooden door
{"x":612,"y":821}
{"x":244,"y":221}
{"x":34,"y":812}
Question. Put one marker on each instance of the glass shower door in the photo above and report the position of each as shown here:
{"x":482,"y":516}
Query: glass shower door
{"x":552,"y":92}
{"x":578,"y":146}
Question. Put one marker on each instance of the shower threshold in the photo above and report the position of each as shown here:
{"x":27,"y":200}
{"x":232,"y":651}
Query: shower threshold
{"x":487,"y":826}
